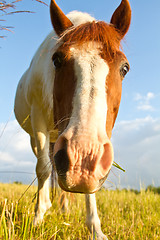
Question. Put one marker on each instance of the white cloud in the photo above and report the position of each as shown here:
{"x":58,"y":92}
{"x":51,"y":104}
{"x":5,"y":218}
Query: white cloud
{"x":144,"y":101}
{"x":15,"y":153}
{"x":14,"y":137}
{"x":138,"y":97}
{"x":150,"y":96}
{"x":5,"y":157}
{"x":145,"y":107}
{"x":146,"y":97}
{"x":137,"y":149}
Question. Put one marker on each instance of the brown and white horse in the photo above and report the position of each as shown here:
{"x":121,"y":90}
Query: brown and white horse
{"x":74,"y":84}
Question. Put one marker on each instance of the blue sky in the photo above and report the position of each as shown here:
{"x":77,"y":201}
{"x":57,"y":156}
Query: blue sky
{"x":136,"y":136}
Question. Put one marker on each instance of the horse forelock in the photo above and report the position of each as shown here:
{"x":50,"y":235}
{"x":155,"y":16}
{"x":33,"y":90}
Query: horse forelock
{"x":95,"y":31}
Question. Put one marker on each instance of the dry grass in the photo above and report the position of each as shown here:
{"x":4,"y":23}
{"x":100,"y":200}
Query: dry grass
{"x":124,"y":215}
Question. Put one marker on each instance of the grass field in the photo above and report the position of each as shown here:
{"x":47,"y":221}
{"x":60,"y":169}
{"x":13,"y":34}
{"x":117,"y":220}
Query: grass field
{"x":124,"y":215}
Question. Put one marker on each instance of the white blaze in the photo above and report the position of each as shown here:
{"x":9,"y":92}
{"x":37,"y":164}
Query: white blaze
{"x":90,"y":101}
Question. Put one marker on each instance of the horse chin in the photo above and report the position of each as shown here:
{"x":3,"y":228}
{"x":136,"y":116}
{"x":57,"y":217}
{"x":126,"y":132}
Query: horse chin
{"x":81,"y":188}
{"x":75,"y":189}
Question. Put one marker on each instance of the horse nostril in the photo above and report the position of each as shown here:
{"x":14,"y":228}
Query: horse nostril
{"x":61,"y":161}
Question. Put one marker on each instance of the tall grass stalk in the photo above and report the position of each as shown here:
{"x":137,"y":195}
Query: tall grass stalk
{"x":124,"y":215}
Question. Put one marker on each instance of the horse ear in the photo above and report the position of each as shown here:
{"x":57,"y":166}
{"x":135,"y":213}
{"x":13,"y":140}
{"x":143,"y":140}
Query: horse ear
{"x":59,"y":20}
{"x":121,"y":18}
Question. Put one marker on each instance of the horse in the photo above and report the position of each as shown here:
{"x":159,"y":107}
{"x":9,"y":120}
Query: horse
{"x":70,"y":96}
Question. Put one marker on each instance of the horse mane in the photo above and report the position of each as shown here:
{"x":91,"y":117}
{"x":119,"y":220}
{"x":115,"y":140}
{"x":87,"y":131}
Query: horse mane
{"x":95,"y":31}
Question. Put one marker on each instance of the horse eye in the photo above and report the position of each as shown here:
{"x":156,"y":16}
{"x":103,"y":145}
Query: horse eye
{"x":124,"y":69}
{"x":57,"y":60}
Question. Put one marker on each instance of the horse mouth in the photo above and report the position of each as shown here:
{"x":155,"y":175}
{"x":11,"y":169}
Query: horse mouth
{"x":74,"y":190}
{"x":80,"y":188}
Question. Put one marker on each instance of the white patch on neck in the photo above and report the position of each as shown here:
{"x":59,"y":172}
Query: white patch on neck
{"x":90,"y":101}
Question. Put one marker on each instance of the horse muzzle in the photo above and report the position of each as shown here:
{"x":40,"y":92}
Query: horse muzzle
{"x":82,"y":165}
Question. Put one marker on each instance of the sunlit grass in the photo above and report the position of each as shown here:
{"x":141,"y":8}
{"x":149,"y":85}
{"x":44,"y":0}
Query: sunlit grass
{"x":123,"y":214}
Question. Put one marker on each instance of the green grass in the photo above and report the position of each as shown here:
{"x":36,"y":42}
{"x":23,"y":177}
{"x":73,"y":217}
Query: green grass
{"x":124,"y":215}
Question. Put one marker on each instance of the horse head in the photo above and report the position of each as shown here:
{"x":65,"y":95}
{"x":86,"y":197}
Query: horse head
{"x":89,"y":69}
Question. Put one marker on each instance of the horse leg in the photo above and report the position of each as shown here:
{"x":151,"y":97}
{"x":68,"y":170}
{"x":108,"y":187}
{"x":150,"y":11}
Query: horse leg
{"x":40,"y":146}
{"x":92,"y":219}
{"x":33,"y":145}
